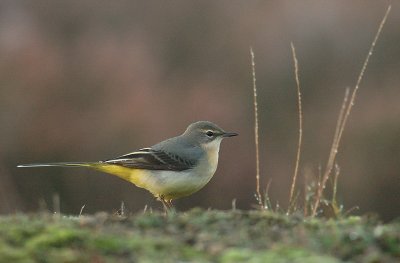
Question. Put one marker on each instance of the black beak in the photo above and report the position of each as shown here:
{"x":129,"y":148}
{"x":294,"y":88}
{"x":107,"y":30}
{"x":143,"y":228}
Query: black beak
{"x":229,"y":134}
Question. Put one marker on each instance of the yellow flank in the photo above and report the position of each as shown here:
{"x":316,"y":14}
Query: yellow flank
{"x":136,"y":176}
{"x":168,"y":184}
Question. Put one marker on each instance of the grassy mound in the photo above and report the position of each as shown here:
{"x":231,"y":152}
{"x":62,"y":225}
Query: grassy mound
{"x":196,"y":236}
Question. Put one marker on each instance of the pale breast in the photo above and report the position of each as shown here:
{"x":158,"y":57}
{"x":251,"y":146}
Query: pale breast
{"x":176,"y":184}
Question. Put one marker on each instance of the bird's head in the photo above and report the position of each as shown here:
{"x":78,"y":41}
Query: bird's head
{"x":206,"y":134}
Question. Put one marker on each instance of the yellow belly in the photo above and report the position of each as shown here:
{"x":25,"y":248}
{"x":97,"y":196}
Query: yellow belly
{"x":135,"y":176}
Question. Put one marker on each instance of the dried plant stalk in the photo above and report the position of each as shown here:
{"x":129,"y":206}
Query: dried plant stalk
{"x":253,"y":68}
{"x":296,"y":169}
{"x":341,"y":126}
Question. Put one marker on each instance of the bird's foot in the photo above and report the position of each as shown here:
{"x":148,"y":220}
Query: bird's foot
{"x":167,"y":204}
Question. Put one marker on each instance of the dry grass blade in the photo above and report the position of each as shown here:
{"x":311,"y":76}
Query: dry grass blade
{"x":336,"y":139}
{"x":335,"y":181}
{"x":339,"y":123}
{"x":56,"y":204}
{"x":371,"y":49}
{"x":253,"y":68}
{"x":341,"y":126}
{"x":81,"y":211}
{"x":296,"y":169}
{"x":267,"y":201}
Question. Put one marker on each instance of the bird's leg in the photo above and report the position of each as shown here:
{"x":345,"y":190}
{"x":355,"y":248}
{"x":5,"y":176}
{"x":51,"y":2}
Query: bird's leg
{"x":171,"y":208}
{"x":165,"y":203}
{"x":170,"y":203}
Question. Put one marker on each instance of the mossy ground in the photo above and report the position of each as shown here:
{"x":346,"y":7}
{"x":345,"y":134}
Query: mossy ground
{"x":196,"y":236}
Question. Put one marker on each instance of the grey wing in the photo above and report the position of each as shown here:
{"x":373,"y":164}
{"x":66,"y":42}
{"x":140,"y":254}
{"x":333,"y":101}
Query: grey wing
{"x":151,"y":159}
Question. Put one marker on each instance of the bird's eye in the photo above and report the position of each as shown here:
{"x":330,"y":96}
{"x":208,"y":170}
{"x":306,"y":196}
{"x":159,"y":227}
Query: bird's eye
{"x":209,"y":133}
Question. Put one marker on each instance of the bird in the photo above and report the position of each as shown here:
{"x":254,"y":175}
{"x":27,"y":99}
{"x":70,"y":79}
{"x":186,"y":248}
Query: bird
{"x":174,"y":168}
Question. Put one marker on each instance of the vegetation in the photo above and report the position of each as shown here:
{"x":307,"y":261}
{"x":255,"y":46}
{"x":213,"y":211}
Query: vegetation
{"x":196,"y":236}
{"x":316,"y":232}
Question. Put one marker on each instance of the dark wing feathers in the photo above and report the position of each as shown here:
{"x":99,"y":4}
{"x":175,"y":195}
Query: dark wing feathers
{"x":148,"y":158}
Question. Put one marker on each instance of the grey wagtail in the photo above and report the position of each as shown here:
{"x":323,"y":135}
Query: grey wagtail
{"x":174,"y":168}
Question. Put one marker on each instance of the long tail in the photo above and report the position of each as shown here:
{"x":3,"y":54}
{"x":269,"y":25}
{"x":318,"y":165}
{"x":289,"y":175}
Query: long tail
{"x":134,"y":176}
{"x":63,"y":164}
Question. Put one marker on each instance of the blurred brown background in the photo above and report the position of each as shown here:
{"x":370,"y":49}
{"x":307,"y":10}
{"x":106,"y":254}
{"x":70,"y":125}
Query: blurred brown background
{"x":90,"y":80}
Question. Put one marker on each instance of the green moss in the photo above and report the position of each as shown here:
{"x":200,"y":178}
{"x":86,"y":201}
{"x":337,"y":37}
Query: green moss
{"x":276,"y":255}
{"x":388,"y":238}
{"x":109,"y":245}
{"x":62,"y":255}
{"x":196,"y":236}
{"x":17,"y":229}
{"x":12,"y":254}
{"x":144,"y":221}
{"x":56,"y":236}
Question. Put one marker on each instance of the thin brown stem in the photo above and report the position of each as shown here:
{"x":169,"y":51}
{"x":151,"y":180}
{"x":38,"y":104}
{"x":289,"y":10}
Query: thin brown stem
{"x":335,"y":181}
{"x":253,"y":68}
{"x":296,"y":169}
{"x":335,"y":145}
